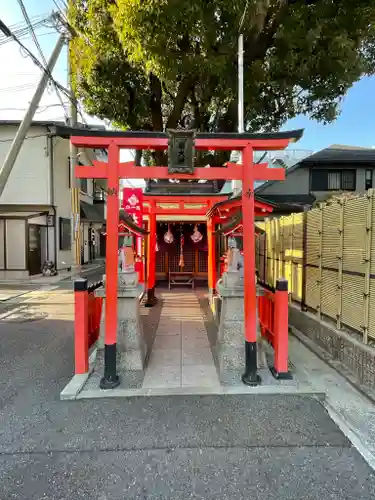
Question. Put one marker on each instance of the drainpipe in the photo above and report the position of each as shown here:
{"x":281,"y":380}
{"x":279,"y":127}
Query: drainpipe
{"x":52,"y":195}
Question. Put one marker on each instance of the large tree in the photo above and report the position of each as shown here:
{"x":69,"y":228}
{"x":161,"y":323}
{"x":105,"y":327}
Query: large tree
{"x":156,"y":64}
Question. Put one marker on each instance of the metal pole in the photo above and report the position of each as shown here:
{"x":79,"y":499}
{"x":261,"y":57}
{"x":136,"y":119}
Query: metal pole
{"x":74,"y":188}
{"x":237,"y":183}
{"x":20,"y":136}
{"x":240,"y":86}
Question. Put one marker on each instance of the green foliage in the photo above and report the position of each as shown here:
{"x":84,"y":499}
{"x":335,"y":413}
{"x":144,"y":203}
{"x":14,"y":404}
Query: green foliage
{"x":152,"y":64}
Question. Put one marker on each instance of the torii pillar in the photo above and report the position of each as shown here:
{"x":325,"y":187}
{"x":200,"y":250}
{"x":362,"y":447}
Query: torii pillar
{"x":151,"y":258}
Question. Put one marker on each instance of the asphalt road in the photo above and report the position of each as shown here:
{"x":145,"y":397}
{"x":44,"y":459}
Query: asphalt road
{"x":208,"y":447}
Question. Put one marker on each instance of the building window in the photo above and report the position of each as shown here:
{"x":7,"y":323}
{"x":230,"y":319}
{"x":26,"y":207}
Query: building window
{"x":368,"y":179}
{"x":333,"y":180}
{"x":65,"y":233}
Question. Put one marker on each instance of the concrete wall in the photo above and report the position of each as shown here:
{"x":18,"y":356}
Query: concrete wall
{"x":29,"y":180}
{"x":354,"y":356}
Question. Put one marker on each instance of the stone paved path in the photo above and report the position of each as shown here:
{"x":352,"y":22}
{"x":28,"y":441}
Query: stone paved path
{"x":181,"y":354}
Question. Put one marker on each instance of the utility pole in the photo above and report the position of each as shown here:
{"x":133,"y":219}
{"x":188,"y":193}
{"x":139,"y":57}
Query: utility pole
{"x":74,"y":187}
{"x":20,"y":136}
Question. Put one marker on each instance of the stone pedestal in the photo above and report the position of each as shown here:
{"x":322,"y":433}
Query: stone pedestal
{"x":230,"y":347}
{"x":131,"y":346}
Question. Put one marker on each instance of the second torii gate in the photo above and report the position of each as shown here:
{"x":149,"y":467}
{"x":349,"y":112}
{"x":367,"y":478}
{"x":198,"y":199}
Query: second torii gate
{"x":114,"y":170}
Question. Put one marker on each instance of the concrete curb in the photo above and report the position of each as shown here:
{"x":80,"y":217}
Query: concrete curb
{"x":76,"y":384}
{"x":202,"y":391}
{"x":52,"y":281}
{"x":355,"y":438}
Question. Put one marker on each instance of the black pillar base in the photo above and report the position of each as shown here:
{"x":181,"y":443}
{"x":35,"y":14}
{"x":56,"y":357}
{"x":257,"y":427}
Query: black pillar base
{"x":281,"y":375}
{"x":251,"y":377}
{"x":151,"y":299}
{"x":110,"y":379}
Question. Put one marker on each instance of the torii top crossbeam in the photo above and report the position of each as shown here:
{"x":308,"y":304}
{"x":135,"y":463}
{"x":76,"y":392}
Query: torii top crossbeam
{"x":113,"y":170}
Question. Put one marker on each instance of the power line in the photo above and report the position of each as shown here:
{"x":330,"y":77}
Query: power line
{"x":8,"y":33}
{"x":35,"y":60}
{"x":60,"y":9}
{"x":22,"y":31}
{"x":27,"y":137}
{"x":39,"y":48}
{"x":26,"y":35}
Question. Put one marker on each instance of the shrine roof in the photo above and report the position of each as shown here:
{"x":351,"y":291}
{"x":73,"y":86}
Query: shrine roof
{"x":152,"y":194}
{"x":67,"y":132}
{"x":127,"y":220}
{"x":235,"y":222}
{"x":259,"y":203}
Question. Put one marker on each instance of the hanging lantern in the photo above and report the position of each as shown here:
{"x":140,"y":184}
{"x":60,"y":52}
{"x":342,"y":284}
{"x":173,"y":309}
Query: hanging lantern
{"x":168,"y":237}
{"x":196,"y":236}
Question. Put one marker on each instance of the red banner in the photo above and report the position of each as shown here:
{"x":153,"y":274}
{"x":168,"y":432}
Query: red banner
{"x":132,"y":203}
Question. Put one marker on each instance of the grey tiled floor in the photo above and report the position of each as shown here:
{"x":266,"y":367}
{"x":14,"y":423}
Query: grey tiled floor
{"x":181,"y":355}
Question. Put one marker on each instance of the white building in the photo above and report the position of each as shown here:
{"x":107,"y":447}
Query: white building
{"x":35,"y":207}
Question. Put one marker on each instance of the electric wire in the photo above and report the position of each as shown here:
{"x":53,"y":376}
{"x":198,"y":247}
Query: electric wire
{"x":45,"y":70}
{"x":24,"y":30}
{"x":39,"y":48}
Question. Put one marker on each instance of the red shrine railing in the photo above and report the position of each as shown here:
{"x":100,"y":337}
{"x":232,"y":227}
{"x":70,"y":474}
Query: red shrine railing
{"x":87,"y":316}
{"x":273,"y":307}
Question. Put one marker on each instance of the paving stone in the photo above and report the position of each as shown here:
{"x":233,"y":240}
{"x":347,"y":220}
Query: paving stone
{"x":162,"y":377}
{"x":164,"y":357}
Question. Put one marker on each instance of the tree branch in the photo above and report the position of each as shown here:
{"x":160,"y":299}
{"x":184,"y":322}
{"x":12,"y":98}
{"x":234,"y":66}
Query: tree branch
{"x":155,"y":103}
{"x":267,"y":25}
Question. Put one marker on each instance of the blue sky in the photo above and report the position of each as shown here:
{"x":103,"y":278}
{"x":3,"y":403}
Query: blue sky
{"x":355,"y":126}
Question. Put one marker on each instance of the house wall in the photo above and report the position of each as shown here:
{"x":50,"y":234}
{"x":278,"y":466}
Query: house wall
{"x":28,"y":182}
{"x":62,"y":199}
{"x":296,"y":182}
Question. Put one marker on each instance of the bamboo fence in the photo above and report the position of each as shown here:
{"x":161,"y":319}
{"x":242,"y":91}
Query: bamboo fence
{"x":327,"y":254}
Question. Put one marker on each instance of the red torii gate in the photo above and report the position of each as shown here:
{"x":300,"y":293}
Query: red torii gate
{"x":114,"y":170}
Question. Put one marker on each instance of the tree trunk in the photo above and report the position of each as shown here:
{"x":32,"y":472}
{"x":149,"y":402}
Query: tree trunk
{"x":179,"y":103}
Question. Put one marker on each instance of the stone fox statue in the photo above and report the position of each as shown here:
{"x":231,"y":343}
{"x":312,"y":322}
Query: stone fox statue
{"x":235,"y":259}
